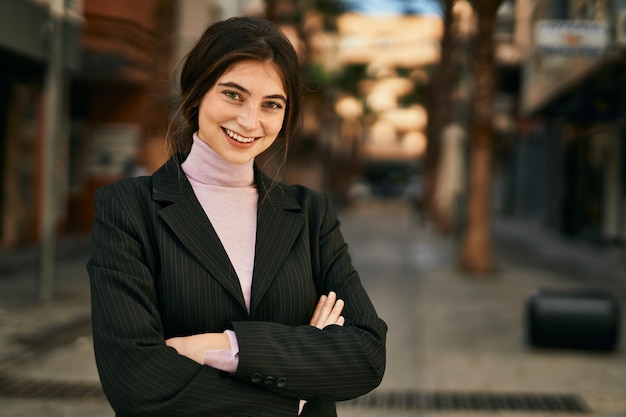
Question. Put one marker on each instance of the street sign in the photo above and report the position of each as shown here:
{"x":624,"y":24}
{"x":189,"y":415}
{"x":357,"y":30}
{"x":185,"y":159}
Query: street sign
{"x":568,"y":37}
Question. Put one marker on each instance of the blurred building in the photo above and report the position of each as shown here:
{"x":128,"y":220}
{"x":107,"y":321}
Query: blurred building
{"x":120,"y":100}
{"x":112,"y":88}
{"x":567,"y":164}
{"x":26,"y":32}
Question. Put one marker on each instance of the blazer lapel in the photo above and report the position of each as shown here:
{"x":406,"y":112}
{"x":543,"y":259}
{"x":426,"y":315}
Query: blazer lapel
{"x":189,"y":222}
{"x":279,"y":222}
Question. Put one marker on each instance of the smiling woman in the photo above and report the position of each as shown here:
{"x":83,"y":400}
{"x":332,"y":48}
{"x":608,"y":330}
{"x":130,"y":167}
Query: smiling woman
{"x":208,"y":300}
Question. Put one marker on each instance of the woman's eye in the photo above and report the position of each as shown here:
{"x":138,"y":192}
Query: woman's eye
{"x":232,"y":94}
{"x":273,"y":105}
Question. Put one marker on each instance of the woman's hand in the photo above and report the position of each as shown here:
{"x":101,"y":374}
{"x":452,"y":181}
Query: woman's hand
{"x":328,"y":311}
{"x":195,"y":345}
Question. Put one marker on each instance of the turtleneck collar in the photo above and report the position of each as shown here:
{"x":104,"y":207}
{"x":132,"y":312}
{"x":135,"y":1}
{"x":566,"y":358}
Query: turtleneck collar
{"x":205,"y":166}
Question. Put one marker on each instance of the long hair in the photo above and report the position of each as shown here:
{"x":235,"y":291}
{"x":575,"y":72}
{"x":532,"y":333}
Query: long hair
{"x":222,"y":45}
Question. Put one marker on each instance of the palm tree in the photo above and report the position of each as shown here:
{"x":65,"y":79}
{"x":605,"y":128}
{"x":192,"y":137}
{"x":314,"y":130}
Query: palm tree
{"x":476,"y":251}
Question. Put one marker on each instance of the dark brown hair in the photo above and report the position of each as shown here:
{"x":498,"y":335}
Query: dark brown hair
{"x":222,"y":45}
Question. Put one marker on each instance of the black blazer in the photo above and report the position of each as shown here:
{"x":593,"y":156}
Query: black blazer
{"x":158,"y":270}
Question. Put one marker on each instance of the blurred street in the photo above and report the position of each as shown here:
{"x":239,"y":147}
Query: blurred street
{"x":456,"y":344}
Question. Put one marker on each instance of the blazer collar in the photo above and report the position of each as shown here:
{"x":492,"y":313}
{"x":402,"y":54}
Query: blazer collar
{"x":279,"y":221}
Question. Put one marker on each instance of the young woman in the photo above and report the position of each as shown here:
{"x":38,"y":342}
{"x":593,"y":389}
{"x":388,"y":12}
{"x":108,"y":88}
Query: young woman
{"x":217,"y":291}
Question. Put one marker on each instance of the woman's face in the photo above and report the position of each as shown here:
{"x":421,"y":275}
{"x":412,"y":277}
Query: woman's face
{"x":242,"y":114}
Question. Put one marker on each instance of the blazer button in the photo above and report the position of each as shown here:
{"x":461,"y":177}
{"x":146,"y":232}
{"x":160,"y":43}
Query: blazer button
{"x":268,"y":380}
{"x":281,"y":382}
{"x":256,"y":377}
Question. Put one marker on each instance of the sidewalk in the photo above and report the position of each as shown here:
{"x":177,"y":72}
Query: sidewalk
{"x":28,"y":324}
{"x":455,"y":340}
{"x":456,"y":344}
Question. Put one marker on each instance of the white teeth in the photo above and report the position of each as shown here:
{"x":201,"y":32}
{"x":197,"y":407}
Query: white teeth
{"x":238,"y":138}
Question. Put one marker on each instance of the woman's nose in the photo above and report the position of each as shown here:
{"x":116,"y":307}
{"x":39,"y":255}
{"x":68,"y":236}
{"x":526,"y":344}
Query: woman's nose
{"x":249,"y":117}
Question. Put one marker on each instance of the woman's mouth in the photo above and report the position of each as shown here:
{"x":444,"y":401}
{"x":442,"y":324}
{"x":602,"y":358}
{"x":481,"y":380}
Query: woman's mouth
{"x":237,"y":137}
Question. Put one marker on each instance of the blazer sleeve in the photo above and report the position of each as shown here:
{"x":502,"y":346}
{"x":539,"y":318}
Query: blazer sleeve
{"x":337,"y":362}
{"x":140,"y":375}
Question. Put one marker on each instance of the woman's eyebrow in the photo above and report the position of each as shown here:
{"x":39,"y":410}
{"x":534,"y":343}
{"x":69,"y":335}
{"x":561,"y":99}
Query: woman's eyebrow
{"x":244,"y":90}
{"x":277,"y":97}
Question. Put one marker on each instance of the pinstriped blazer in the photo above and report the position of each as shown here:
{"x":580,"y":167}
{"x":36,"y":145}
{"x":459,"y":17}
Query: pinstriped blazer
{"x":158,"y":270}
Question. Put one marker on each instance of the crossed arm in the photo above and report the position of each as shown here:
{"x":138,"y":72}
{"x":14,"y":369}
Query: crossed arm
{"x":327,"y":312}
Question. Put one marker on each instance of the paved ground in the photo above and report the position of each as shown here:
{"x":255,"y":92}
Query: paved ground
{"x":454,"y":340}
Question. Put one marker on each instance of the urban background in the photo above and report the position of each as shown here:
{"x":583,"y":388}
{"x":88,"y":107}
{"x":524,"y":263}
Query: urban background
{"x":397,"y":102}
{"x":475,"y":117}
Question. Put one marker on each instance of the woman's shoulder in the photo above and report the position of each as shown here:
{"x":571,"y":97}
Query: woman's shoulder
{"x":131,"y":188}
{"x":138,"y":183}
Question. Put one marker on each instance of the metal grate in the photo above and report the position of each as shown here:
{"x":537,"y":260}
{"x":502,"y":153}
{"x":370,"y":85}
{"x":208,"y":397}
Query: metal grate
{"x":35,"y":388}
{"x":392,"y":400}
{"x":478,"y":401}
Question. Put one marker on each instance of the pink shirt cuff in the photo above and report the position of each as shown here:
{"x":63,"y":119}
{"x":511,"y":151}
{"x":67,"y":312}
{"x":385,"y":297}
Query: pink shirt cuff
{"x":225,"y":360}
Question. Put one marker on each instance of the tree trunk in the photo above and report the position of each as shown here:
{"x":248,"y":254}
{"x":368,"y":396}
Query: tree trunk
{"x":440,"y":103}
{"x":477,"y":252}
